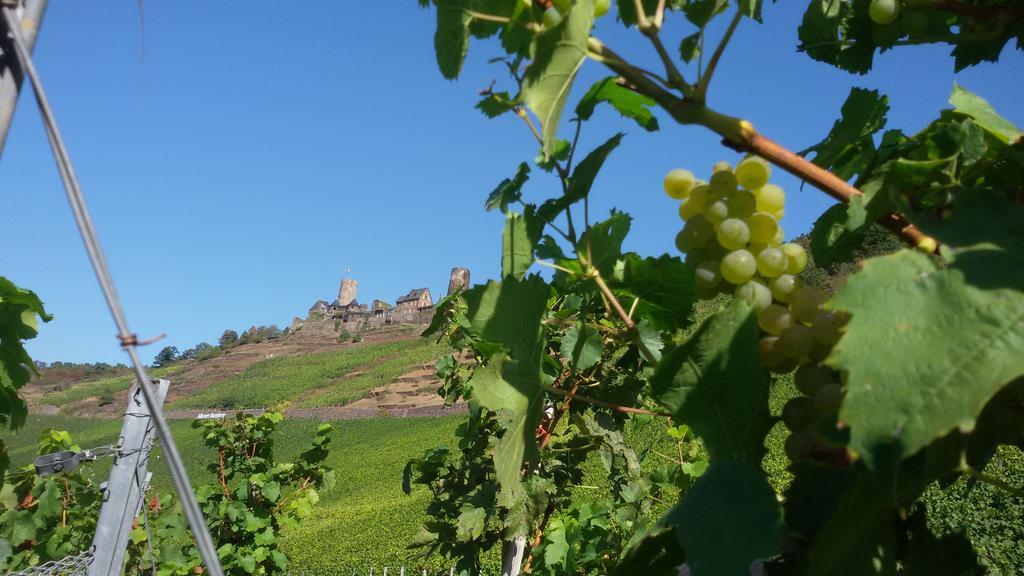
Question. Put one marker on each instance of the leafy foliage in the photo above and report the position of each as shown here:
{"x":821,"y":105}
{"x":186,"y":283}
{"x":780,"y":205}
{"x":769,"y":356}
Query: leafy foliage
{"x":928,"y":365}
{"x":47,"y":518}
{"x":20,"y":311}
{"x":841,"y":33}
{"x":254,"y":498}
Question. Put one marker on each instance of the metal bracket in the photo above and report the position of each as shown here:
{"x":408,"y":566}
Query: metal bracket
{"x":68,"y":460}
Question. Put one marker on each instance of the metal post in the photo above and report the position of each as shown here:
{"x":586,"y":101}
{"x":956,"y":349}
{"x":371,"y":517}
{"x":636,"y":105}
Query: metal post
{"x":122,"y":497}
{"x":30,"y":15}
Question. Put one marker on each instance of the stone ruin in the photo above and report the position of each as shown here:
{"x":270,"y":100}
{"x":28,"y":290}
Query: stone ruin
{"x":329,"y":320}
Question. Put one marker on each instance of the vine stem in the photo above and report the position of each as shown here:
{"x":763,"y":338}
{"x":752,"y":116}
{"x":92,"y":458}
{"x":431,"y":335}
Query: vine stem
{"x":626,"y":319}
{"x":740,"y":135}
{"x":704,"y":81}
{"x":825,"y":181}
{"x":609,"y":405}
{"x":992,"y":481}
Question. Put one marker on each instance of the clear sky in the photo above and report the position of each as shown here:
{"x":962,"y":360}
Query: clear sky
{"x":241,"y":157}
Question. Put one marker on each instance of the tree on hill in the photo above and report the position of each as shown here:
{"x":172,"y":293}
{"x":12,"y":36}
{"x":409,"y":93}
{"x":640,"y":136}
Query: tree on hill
{"x":228,"y":339}
{"x":166,"y":356}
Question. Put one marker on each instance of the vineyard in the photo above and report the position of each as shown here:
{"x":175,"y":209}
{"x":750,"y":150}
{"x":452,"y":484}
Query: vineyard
{"x":748,"y":400}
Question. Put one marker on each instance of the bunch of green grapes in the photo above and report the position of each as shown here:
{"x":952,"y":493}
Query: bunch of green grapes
{"x":734,"y":244}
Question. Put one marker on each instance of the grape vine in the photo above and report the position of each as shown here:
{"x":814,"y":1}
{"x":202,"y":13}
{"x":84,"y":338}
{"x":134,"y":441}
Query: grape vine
{"x":908,"y":373}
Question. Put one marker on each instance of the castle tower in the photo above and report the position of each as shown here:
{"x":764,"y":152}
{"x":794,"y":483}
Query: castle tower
{"x":347,"y":291}
{"x":458,"y":280}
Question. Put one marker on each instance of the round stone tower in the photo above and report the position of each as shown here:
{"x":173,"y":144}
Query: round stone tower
{"x":347,"y":291}
{"x":458,"y":280}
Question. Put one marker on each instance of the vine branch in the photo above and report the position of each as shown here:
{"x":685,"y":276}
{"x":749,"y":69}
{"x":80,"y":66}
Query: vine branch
{"x":704,"y":81}
{"x":609,"y":405}
{"x":740,"y":135}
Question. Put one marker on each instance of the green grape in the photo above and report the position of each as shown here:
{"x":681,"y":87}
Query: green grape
{"x":769,"y":355}
{"x":780,"y":237}
{"x":738,"y":266}
{"x":707,"y":274}
{"x":784,"y":286}
{"x":678,"y":182}
{"x":733,"y":234}
{"x":552,"y":17}
{"x":688,"y":209}
{"x":770,"y":198}
{"x":753,"y":172}
{"x":820,"y":351}
{"x":721,"y":166}
{"x":806,"y":303}
{"x":774,"y":319}
{"x":786,"y":366}
{"x":700,"y":193}
{"x":763,"y":227}
{"x":771,"y":262}
{"x":716,"y":211}
{"x":798,"y":413}
{"x":800,"y":445}
{"x":694,"y":234}
{"x":741,"y":203}
{"x":723,"y":182}
{"x":884,"y":11}
{"x":754,"y":293}
{"x":779,"y":213}
{"x":796,"y":257}
{"x":828,"y":398}
{"x":810,"y":377}
{"x":826,"y":326}
{"x":601,"y":7}
{"x":795,"y":342}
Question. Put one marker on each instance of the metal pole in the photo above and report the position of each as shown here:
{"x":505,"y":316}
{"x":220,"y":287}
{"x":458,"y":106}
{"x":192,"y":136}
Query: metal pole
{"x":122,"y":497}
{"x":30,"y":16}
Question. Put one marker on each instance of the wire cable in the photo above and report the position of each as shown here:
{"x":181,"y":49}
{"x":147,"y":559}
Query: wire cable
{"x":128,"y":340}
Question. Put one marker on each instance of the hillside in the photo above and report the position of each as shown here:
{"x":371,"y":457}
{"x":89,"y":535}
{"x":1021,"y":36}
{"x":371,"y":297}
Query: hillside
{"x":389,"y":370}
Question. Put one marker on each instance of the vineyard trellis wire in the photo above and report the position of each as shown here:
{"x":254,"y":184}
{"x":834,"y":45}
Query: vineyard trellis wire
{"x":129,"y":341}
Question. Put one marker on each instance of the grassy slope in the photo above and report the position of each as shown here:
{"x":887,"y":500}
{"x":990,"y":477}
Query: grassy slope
{"x":106,"y":386}
{"x":350,"y":389}
{"x":270,"y":382}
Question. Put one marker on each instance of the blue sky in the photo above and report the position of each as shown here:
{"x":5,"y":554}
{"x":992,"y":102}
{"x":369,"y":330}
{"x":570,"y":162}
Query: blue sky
{"x":239,"y":158}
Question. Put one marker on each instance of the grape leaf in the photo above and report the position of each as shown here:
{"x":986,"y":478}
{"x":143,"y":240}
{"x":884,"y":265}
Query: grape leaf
{"x":926,"y":348}
{"x":509,"y":190}
{"x":726,"y":544}
{"x":520,"y":238}
{"x":716,"y":385}
{"x":19,"y":309}
{"x":494,"y":105}
{"x":665,"y":289}
{"x":586,"y":171}
{"x":700,"y":12}
{"x":508,"y":314}
{"x":451,"y":39}
{"x":558,"y":55}
{"x":582,"y":346}
{"x":626,"y":102}
{"x":861,"y":537}
{"x":689,"y":47}
{"x":470,"y":524}
{"x":835,"y":32}
{"x":831,"y":241}
{"x":848,"y":149}
{"x":604,"y":240}
{"x":970,"y":104}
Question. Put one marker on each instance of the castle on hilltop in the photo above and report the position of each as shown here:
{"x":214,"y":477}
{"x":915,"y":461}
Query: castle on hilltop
{"x":346,"y":313}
